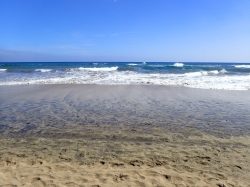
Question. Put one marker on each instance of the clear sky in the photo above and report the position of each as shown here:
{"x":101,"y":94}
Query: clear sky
{"x":125,"y":30}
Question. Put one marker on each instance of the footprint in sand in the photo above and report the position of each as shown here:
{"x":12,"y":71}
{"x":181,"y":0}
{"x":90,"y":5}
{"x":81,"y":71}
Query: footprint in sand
{"x":34,"y":163}
{"x":36,"y":181}
{"x":136,"y":163}
{"x":120,"y":177}
{"x":32,"y":180}
{"x":10,"y":163}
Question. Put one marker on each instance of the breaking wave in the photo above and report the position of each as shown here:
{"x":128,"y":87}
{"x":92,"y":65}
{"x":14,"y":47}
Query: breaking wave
{"x":177,"y":64}
{"x":98,"y":69}
{"x":242,"y":66}
{"x":43,"y":70}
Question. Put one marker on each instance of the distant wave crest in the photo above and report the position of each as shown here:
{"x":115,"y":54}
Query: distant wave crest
{"x":177,"y":64}
{"x":44,"y":70}
{"x":98,"y":69}
{"x":242,"y":66}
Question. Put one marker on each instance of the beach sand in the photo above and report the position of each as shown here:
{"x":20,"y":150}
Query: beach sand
{"x":89,"y":135}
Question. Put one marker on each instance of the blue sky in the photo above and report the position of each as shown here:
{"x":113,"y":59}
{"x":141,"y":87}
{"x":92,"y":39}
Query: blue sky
{"x":125,"y":30}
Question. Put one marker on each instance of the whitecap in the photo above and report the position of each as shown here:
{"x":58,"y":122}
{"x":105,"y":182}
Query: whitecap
{"x":215,"y":72}
{"x":44,"y":70}
{"x":98,"y":69}
{"x":2,"y":70}
{"x":177,"y":64}
{"x":223,"y":71}
{"x":242,"y":66}
{"x":132,"y":64}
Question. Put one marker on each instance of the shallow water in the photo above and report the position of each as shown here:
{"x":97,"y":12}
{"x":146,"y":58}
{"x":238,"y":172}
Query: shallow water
{"x":36,"y":110}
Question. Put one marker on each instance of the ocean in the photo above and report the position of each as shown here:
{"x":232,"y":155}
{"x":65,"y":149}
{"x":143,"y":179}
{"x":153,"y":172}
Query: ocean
{"x":227,"y":76}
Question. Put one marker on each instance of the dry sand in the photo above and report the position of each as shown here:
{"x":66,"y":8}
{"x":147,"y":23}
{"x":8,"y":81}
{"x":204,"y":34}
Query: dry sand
{"x":86,"y":135}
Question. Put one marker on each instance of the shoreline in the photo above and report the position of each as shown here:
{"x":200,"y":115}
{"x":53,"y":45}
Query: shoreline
{"x":95,"y":135}
{"x":127,"y":85}
{"x":41,"y":108}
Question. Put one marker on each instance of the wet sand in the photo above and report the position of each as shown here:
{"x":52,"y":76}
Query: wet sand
{"x":89,"y":135}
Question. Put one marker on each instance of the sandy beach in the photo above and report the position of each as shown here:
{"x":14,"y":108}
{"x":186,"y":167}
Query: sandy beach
{"x":90,"y":135}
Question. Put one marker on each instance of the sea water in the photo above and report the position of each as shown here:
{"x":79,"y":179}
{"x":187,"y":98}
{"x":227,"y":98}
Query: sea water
{"x":228,"y":76}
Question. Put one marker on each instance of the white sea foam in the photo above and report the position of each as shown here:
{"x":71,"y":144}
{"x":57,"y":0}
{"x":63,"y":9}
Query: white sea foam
{"x":223,"y":71}
{"x":144,"y":63}
{"x":215,"y":72}
{"x":196,"y":74}
{"x":132,"y":64}
{"x":95,"y":64}
{"x":2,"y":70}
{"x":177,"y":64}
{"x":194,"y":79}
{"x":98,"y":69}
{"x":44,"y":70}
{"x":205,"y":73}
{"x":242,"y":66}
